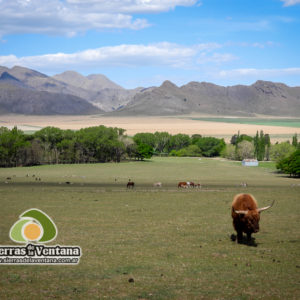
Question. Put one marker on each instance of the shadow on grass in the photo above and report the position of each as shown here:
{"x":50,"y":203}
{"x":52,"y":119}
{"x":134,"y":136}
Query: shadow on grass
{"x":244,"y":241}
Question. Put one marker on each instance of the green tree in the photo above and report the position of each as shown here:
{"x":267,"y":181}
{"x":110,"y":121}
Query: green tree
{"x":281,"y":151}
{"x":12,"y":147}
{"x":261,"y":142}
{"x":261,"y":146}
{"x":67,"y":153}
{"x":267,"y":147}
{"x":229,"y":152}
{"x":245,"y":149}
{"x":211,"y":146}
{"x":179,"y":141}
{"x":291,"y":164}
{"x":162,"y":140}
{"x":145,"y":138}
{"x":190,"y":151}
{"x":50,"y":137}
{"x":99,"y":144}
{"x":237,"y":138}
{"x":195,"y":138}
{"x":256,"y":145}
{"x":144,"y":151}
{"x":295,"y":140}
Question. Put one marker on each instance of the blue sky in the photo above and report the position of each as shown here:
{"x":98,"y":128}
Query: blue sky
{"x":144,"y":42}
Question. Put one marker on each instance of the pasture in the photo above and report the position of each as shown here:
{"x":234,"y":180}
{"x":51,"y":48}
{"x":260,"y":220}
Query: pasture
{"x":155,"y":242}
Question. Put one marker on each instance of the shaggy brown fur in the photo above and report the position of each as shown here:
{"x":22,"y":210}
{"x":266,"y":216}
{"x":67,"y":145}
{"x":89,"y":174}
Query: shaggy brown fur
{"x":248,"y":221}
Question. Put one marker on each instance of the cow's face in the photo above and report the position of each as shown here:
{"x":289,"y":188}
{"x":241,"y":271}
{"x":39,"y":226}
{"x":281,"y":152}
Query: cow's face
{"x":252,"y":221}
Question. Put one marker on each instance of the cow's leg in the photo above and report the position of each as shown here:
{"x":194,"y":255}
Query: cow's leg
{"x":239,"y":236}
{"x":249,"y":236}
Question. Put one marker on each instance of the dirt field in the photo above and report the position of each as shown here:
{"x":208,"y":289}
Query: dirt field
{"x":133,"y":125}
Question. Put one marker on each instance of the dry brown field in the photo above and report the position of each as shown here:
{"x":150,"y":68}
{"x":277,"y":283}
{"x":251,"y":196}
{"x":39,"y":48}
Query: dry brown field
{"x":133,"y":125}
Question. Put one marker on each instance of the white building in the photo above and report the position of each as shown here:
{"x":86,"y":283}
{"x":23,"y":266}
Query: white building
{"x":250,"y":162}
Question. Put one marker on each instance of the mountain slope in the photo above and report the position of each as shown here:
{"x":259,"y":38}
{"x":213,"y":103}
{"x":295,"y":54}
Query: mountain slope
{"x":96,"y":89}
{"x":20,"y":100}
{"x":92,"y":82}
{"x":100,"y":91}
{"x":27,"y":91}
{"x":262,"y":97}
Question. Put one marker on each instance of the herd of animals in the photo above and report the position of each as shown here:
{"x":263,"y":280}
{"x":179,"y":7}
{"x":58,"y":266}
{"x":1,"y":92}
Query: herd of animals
{"x":244,"y":210}
{"x":181,"y":184}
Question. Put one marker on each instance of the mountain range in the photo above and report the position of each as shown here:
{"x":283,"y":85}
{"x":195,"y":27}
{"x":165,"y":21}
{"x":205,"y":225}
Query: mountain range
{"x":26,"y":91}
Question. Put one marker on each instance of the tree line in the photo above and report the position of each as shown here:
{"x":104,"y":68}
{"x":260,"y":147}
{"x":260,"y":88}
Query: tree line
{"x":52,"y":145}
{"x":163,"y":143}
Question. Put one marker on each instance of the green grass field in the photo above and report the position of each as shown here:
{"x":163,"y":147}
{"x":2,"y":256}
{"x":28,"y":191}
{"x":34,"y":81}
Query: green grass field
{"x":254,"y":121}
{"x":175,"y":244}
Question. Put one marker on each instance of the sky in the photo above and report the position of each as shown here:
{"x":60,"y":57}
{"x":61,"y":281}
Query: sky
{"x":141,"y":43}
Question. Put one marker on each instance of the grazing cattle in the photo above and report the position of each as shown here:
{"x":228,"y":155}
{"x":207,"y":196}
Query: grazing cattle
{"x":183,"y":184}
{"x":157,"y":184}
{"x":246,"y":215}
{"x":191,"y":184}
{"x":130,"y":184}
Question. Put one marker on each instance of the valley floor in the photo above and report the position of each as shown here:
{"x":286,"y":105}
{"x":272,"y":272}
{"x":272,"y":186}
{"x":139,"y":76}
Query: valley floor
{"x":190,"y":124}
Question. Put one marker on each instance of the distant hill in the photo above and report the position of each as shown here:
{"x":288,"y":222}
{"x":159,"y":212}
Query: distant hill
{"x":96,"y":89}
{"x":20,"y":100}
{"x":91,"y":82}
{"x":27,"y":91}
{"x":24,"y":91}
{"x":262,"y":97}
{"x":100,"y":91}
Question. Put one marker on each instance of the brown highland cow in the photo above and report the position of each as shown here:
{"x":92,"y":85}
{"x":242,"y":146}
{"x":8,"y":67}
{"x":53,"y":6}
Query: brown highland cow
{"x":246,"y":215}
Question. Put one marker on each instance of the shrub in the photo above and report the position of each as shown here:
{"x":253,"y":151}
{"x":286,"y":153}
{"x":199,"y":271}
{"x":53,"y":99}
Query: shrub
{"x":291,"y":164}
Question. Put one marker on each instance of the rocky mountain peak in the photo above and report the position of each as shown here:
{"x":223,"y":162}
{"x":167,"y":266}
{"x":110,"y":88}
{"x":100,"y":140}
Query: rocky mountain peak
{"x":168,"y":85}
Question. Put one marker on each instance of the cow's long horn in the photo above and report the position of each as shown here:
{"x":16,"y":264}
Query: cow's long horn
{"x":264,"y":208}
{"x":244,"y":212}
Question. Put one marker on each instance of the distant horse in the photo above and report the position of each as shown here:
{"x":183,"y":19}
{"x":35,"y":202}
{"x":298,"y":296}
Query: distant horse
{"x":198,"y":185}
{"x":157,"y":184}
{"x":191,"y":184}
{"x":182,"y":184}
{"x":130,"y":184}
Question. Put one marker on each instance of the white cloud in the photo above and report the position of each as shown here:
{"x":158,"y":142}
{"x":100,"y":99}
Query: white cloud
{"x":260,"y":45}
{"x":159,"y":54}
{"x":133,"y":6}
{"x":290,"y":2}
{"x":259,"y":73}
{"x":73,"y":16}
{"x":217,"y":58}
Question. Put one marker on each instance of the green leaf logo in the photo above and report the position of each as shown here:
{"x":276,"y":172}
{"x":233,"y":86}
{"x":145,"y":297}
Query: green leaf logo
{"x":33,"y":226}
